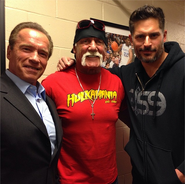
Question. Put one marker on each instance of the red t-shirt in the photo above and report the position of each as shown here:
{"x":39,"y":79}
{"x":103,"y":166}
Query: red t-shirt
{"x":88,"y":153}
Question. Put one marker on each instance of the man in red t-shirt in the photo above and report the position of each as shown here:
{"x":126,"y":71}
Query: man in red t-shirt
{"x":88,"y":99}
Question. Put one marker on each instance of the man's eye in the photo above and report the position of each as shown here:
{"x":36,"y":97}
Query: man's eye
{"x":26,"y":49}
{"x":153,"y":36}
{"x":43,"y":54}
{"x":85,"y":41}
{"x":99,"y":42}
{"x":140,"y":37}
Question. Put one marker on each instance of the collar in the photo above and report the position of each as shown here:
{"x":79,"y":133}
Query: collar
{"x":23,"y":85}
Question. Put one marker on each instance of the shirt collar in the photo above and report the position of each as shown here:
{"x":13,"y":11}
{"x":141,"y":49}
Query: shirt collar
{"x":23,"y":85}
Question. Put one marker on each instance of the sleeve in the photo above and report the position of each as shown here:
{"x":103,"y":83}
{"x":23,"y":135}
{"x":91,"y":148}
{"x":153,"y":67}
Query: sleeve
{"x":47,"y":85}
{"x":116,"y":71}
{"x":124,"y":114}
{"x":121,"y":90}
{"x":181,"y":167}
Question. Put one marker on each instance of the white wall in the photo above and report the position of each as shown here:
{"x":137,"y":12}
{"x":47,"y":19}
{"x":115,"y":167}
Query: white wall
{"x":59,"y":18}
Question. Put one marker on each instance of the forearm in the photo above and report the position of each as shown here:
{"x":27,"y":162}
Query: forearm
{"x":180,"y":171}
{"x":180,"y":175}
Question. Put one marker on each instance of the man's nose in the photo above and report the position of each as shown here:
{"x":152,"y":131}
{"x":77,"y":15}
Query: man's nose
{"x":92,"y":45}
{"x":35,"y":57}
{"x":147,"y":41}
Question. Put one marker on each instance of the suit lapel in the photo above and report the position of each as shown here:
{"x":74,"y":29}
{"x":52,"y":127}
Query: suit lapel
{"x":17,"y":99}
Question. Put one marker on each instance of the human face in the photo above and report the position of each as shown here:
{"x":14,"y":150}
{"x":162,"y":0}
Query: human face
{"x":107,"y":55}
{"x":116,"y":61}
{"x":89,"y":63}
{"x":148,"y":40}
{"x":113,"y":58}
{"x":29,"y":56}
{"x":127,"y":41}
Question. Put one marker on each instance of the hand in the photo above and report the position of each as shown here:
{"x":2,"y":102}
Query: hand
{"x":180,"y":175}
{"x":64,"y":63}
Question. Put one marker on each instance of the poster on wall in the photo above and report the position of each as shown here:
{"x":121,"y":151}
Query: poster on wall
{"x":119,"y":51}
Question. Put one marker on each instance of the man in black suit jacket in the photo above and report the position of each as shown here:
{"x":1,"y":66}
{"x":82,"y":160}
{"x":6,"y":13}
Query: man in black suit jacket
{"x":30,"y":135}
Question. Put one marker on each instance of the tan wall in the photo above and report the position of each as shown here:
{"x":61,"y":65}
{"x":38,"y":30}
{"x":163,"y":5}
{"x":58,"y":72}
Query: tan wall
{"x":59,"y":18}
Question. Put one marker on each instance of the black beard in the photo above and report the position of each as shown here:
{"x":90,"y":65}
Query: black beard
{"x":155,"y":58}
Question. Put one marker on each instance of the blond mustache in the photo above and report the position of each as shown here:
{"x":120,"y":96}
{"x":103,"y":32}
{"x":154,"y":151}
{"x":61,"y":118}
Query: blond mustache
{"x":91,"y":54}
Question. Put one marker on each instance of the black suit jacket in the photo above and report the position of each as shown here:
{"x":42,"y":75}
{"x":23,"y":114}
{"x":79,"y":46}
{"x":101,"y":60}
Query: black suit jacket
{"x":25,"y":145}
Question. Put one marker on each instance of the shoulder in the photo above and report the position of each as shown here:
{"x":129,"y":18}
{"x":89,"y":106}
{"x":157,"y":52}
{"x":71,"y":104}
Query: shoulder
{"x":110,"y":76}
{"x":58,"y":76}
{"x":54,"y":75}
{"x":113,"y":81}
{"x":6,"y":83}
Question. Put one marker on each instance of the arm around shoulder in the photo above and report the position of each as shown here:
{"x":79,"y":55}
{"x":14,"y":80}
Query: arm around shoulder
{"x":64,"y":62}
{"x":124,"y":114}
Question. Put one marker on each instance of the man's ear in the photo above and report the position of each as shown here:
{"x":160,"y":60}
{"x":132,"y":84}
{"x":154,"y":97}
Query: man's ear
{"x":130,"y":37}
{"x":74,"y":49}
{"x":8,"y":51}
{"x":165,"y":35}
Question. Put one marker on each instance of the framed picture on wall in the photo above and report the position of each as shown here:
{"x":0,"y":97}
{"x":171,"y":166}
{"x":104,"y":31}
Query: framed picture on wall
{"x":119,"y":50}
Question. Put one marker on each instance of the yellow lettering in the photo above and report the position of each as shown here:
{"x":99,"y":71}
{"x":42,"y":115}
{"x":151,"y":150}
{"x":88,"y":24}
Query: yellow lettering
{"x":70,"y":98}
{"x":91,"y":94}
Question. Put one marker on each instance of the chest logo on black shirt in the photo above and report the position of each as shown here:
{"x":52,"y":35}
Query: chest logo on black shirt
{"x":143,"y":102}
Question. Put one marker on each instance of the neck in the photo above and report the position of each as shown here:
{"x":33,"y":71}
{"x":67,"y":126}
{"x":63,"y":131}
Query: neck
{"x":89,"y":70}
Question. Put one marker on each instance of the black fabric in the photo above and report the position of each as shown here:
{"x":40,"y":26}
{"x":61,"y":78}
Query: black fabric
{"x":89,"y":32}
{"x":156,"y":109}
{"x":25,"y":145}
